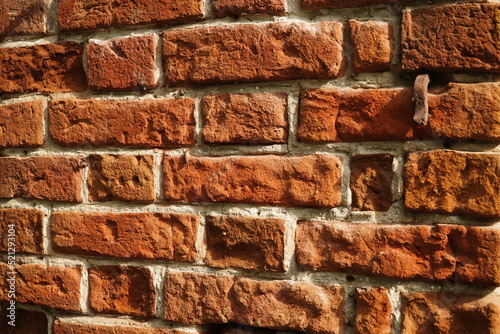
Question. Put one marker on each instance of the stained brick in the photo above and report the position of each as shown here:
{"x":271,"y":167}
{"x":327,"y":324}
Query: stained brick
{"x":238,"y":7}
{"x":373,"y":311}
{"x":26,"y":322}
{"x":325,"y":4}
{"x":22,"y":17}
{"x":28,"y":227}
{"x":21,"y":124}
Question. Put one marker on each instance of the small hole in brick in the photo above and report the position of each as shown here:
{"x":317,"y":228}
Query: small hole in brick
{"x":350,"y":278}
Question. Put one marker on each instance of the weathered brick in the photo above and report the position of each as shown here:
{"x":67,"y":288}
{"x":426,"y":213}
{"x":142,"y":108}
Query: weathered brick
{"x":51,"y":178}
{"x":42,"y":68}
{"x":204,"y":298}
{"x":26,"y":322}
{"x":61,"y":326}
{"x":373,"y":311}
{"x":93,"y":14}
{"x":431,"y":253}
{"x":28,"y":227}
{"x":254,"y":52}
{"x":461,"y":37}
{"x":21,"y":124}
{"x":122,"y":290}
{"x":165,"y":236}
{"x":238,"y":7}
{"x":324,"y":4}
{"x":22,"y":17}
{"x":311,"y":180}
{"x":245,"y":119}
{"x":451,"y":182}
{"x":371,"y":182}
{"x":242,"y":242}
{"x":121,"y":178}
{"x":122,"y":63}
{"x":372,"y":45}
{"x":439,"y":312}
{"x":51,"y":286}
{"x":138,"y":123}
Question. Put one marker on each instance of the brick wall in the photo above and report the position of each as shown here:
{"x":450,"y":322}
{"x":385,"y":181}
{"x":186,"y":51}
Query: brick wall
{"x":250,"y":166}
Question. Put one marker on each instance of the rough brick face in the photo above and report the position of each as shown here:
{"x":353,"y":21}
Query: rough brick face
{"x":42,"y":68}
{"x":237,"y":7}
{"x":52,"y":286}
{"x":372,"y":45}
{"x":22,"y":17}
{"x":453,"y":182}
{"x":438,"y":312}
{"x":203,"y":298}
{"x":52,"y":178}
{"x":144,"y":123}
{"x":121,"y":178}
{"x":27,"y":322}
{"x":66,"y":327}
{"x":323,"y":4}
{"x":165,"y":236}
{"x":122,"y":63}
{"x":312,"y":180}
{"x":122,"y":290}
{"x":28,"y":230}
{"x":373,"y":311}
{"x":467,"y":42}
{"x":242,"y":242}
{"x":21,"y":124}
{"x":245,"y":119}
{"x":92,"y":14}
{"x":253,"y":52}
{"x":443,"y":252}
{"x":371,"y":182}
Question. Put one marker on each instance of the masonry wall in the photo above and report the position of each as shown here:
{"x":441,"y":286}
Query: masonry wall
{"x":199,"y":166}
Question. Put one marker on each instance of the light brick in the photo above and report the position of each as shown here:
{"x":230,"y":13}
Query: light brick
{"x":373,"y":311}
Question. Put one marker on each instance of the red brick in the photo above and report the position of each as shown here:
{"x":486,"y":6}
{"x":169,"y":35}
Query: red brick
{"x":51,"y":178}
{"x":131,"y":327}
{"x":93,"y":14}
{"x":119,"y":123}
{"x":373,"y":311}
{"x":122,"y":290}
{"x":324,"y":4}
{"x":28,"y":230}
{"x":21,"y":124}
{"x":26,"y":322}
{"x":170,"y":237}
{"x":371,"y":182}
{"x":254,"y":52}
{"x":451,"y":182}
{"x":50,"y":286}
{"x":462,"y":37}
{"x":202,"y":298}
{"x":430,"y":253}
{"x":245,"y":119}
{"x":121,"y":178}
{"x":311,"y":180}
{"x":22,"y":17}
{"x":248,"y":243}
{"x":122,"y":63}
{"x":372,"y":45}
{"x":42,"y":68}
{"x":438,"y":312}
{"x":238,"y":7}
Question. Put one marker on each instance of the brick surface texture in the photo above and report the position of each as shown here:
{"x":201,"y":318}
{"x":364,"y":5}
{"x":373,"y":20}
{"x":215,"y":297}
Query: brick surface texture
{"x":249,"y":166}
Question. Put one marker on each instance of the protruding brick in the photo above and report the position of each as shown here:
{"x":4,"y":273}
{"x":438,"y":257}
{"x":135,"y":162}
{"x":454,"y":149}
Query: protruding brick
{"x":23,"y":17}
{"x":461,"y":37}
{"x":372,"y":45}
{"x":245,"y":119}
{"x":21,"y":124}
{"x":165,"y":236}
{"x":27,"y":227}
{"x":310,"y":180}
{"x":451,"y":182}
{"x":122,"y":63}
{"x":203,"y":298}
{"x":93,"y":14}
{"x":122,"y":290}
{"x":62,"y":326}
{"x":143,"y":123}
{"x":254,"y":52}
{"x":238,"y":7}
{"x":373,"y":311}
{"x":25,"y":321}
{"x":371,"y":182}
{"x":242,"y":242}
{"x":439,"y":312}
{"x":53,"y":286}
{"x":121,"y":178}
{"x":431,"y":253}
{"x":53,"y":178}
{"x":325,"y":4}
{"x":42,"y":68}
